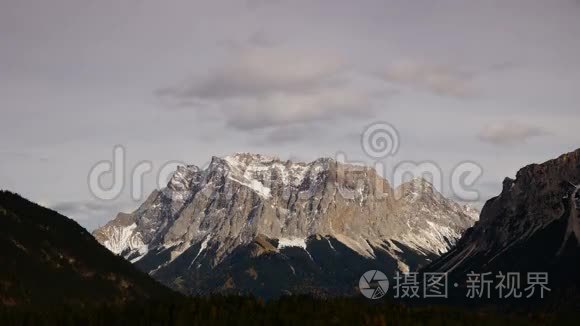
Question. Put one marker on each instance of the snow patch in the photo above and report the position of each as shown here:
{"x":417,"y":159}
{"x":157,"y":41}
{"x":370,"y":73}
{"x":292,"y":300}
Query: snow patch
{"x":403,"y":267}
{"x":201,"y":249}
{"x":433,"y":239}
{"x":330,"y":244}
{"x":292,"y":242}
{"x":122,"y":238}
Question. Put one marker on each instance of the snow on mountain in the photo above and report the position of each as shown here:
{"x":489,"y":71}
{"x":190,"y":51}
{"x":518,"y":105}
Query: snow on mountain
{"x":216,"y":211}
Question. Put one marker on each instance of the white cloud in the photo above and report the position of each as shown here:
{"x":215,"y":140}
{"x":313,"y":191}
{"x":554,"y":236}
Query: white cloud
{"x":509,"y":132}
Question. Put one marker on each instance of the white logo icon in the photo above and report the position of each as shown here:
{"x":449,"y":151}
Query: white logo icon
{"x":373,"y":284}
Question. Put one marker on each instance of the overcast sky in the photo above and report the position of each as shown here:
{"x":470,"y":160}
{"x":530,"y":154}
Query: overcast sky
{"x":494,"y":82}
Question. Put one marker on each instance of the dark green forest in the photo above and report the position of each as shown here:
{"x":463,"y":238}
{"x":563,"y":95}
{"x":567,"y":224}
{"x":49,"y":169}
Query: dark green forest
{"x":53,"y":272}
{"x":284,"y":311}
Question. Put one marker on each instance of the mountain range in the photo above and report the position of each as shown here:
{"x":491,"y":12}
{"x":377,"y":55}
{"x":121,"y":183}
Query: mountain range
{"x":254,"y":224}
{"x":302,"y":231}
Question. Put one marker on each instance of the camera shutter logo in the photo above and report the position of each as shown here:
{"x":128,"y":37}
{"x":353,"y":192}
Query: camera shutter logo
{"x":373,"y":284}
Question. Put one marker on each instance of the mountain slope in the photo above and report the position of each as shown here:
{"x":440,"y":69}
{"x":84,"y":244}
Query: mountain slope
{"x":255,"y":224}
{"x":47,"y":258}
{"x":532,"y":226}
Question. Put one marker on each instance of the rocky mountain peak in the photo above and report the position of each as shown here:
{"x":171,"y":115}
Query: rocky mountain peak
{"x":249,"y":158}
{"x":536,"y":209}
{"x":237,"y":199}
{"x":415,"y":188}
{"x":183,"y":178}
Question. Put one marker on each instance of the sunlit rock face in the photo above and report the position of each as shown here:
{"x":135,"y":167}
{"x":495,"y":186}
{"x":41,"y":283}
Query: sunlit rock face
{"x":248,"y":208}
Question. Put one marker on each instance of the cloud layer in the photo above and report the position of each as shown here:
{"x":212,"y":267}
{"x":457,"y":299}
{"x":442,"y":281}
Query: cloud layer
{"x":265,"y":87}
{"x":509,"y":132}
{"x":91,"y":213}
{"x":438,"y":79}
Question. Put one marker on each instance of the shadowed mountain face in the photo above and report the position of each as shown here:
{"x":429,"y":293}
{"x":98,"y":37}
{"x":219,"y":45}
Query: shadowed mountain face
{"x":46,"y":258}
{"x":255,"y":224}
{"x":324,"y":267}
{"x":532,"y":226}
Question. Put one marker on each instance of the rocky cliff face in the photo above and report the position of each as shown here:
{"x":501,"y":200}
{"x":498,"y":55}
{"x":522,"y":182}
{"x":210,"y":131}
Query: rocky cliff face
{"x":253,"y":207}
{"x":533,"y":225}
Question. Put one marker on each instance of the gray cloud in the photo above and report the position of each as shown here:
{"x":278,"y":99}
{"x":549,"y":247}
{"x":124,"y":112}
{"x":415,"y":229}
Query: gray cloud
{"x":258,"y":72}
{"x":509,"y":132}
{"x":283,"y":109}
{"x":504,"y":66}
{"x":438,"y":79}
{"x":92,"y":213}
{"x":283,"y":135}
{"x":269,"y":87}
{"x":256,"y":4}
{"x":262,"y":39}
{"x":290,"y":134}
{"x":68,"y":207}
{"x":22,"y":155}
{"x":257,"y":39}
